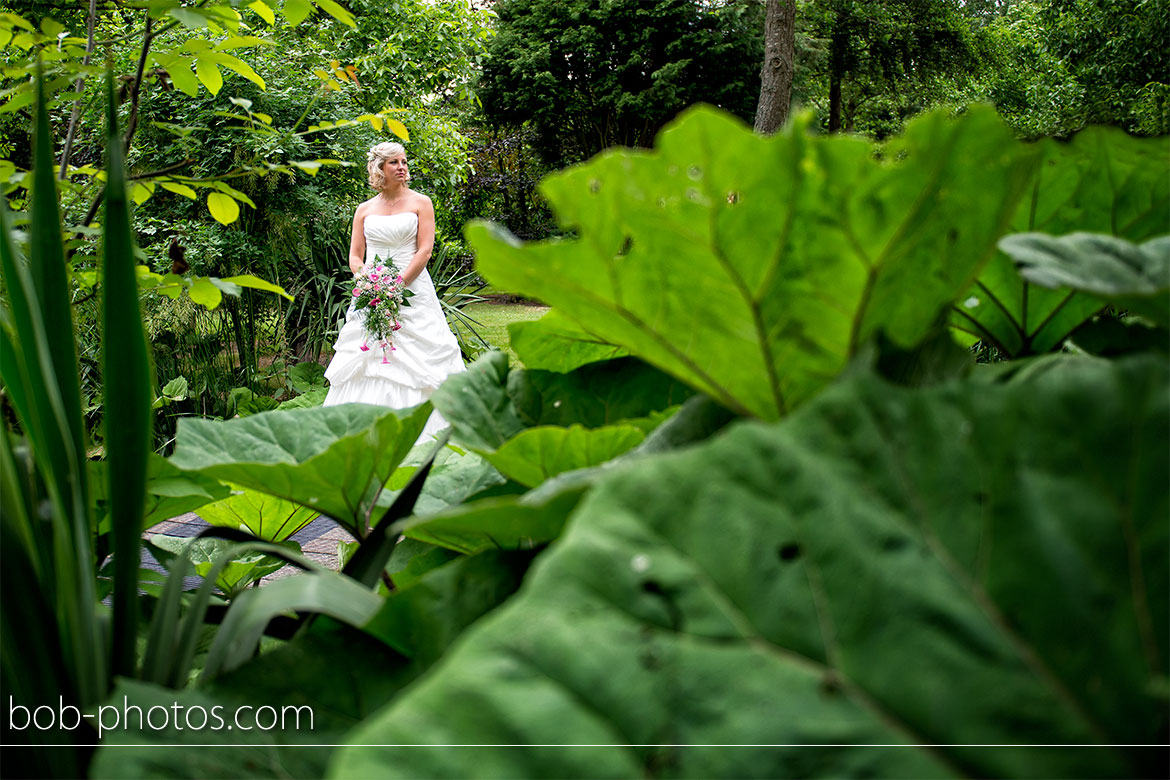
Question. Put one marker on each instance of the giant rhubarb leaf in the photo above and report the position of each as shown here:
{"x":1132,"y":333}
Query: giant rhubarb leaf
{"x":941,"y":569}
{"x":332,"y":459}
{"x":753,"y":268}
{"x":1102,"y":181}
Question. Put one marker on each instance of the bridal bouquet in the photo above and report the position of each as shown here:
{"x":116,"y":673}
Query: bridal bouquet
{"x":380,"y":292}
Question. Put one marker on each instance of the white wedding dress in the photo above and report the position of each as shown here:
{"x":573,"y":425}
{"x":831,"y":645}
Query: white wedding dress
{"x":425,"y":351}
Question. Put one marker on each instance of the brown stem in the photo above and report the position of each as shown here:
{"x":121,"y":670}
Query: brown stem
{"x":136,"y":87}
{"x":161,"y":171}
{"x":77,"y":86}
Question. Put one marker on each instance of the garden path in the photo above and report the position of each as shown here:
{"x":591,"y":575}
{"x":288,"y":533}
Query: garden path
{"x":318,"y":541}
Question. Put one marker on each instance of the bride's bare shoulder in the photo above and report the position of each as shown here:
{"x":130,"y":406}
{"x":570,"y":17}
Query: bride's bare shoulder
{"x":364,"y":207}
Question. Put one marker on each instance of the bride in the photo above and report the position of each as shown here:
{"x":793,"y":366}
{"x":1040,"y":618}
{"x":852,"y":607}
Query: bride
{"x":397,"y":226}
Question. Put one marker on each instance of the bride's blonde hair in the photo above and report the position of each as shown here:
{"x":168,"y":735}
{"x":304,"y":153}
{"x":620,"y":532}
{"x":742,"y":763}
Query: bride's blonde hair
{"x":376,"y":157}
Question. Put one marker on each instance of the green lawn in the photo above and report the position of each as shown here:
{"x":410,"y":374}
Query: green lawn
{"x":494,"y":319}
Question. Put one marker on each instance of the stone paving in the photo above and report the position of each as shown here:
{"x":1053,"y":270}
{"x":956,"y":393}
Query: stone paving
{"x":318,"y":541}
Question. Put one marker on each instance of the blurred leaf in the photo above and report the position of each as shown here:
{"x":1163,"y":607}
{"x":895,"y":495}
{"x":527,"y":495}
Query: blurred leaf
{"x":231,"y":63}
{"x":534,"y":455}
{"x":127,"y":377}
{"x":1134,"y":277}
{"x":489,"y":403}
{"x":399,"y":129}
{"x":798,"y":568}
{"x":556,"y":343}
{"x":307,"y":376}
{"x":306,"y":400}
{"x":320,"y":592}
{"x":256,"y":283}
{"x":296,"y":11}
{"x":263,"y":11}
{"x":509,"y":523}
{"x":1102,"y":181}
{"x":204,"y":292}
{"x":336,"y":11}
{"x":208,"y":73}
{"x":421,"y":620}
{"x":223,"y":207}
{"x":477,"y":405}
{"x":754,"y":268}
{"x":594,"y":395}
{"x":179,"y":189}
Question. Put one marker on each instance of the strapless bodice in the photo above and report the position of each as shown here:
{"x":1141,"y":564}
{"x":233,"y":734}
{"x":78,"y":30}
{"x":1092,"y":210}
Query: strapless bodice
{"x":392,"y":237}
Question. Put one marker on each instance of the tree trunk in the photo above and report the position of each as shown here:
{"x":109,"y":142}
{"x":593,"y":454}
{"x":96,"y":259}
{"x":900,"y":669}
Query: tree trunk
{"x":776,"y":72}
{"x":836,"y":75}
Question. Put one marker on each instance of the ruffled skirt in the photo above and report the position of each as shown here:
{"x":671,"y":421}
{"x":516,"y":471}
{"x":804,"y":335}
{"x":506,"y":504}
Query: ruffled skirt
{"x":425,"y":353}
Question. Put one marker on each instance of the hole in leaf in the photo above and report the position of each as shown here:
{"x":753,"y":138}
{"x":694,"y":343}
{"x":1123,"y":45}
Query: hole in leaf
{"x":894,"y":543}
{"x":595,"y":186}
{"x":789,"y":551}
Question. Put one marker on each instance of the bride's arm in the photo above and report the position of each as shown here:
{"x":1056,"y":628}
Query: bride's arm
{"x":357,"y":241}
{"x":426,"y":240}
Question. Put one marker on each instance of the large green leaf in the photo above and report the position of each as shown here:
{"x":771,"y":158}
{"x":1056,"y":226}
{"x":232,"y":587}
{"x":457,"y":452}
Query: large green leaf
{"x":1102,"y":181}
{"x":948,"y":568}
{"x":1136,"y":277}
{"x":332,"y":459}
{"x":598,"y":394}
{"x":557,"y":343}
{"x":477,"y":404}
{"x":239,"y":572}
{"x":320,"y":592}
{"x":490,"y":403}
{"x":266,"y":516}
{"x":754,"y":268}
{"x":535,"y":455}
{"x":170,"y":491}
{"x":507,"y":523}
{"x":421,"y":621}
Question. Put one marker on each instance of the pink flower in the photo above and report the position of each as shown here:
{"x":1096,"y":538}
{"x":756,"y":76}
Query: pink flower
{"x":396,"y":326}
{"x":375,"y":302}
{"x":373,"y":277}
{"x":365,"y":347}
{"x":356,"y":293}
{"x":398,"y":278}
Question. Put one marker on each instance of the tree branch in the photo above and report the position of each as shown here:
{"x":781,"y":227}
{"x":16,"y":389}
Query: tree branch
{"x":136,"y":87}
{"x":161,"y":171}
{"x":67,"y":152}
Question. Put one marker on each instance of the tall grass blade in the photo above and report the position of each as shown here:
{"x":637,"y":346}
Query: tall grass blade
{"x":325,"y":592}
{"x":188,"y":636}
{"x":161,"y":646}
{"x":127,"y":395}
{"x":47,"y":268}
{"x":44,"y":389}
